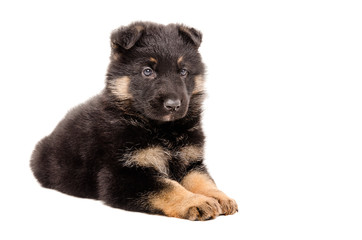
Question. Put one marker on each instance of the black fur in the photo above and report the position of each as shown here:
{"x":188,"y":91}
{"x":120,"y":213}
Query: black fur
{"x":85,"y":155}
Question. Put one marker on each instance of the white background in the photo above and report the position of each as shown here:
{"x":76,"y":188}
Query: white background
{"x":283,"y":116}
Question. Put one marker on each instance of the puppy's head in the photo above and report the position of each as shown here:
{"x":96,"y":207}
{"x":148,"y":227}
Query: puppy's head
{"x":156,"y":68}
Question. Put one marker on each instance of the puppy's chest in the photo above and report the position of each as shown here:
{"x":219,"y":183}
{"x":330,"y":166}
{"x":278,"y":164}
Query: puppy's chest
{"x":167,"y":152}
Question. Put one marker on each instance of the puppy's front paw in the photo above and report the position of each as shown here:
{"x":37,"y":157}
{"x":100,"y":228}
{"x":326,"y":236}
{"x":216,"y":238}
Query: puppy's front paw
{"x":200,"y":207}
{"x":176,"y":201}
{"x":228,"y":205}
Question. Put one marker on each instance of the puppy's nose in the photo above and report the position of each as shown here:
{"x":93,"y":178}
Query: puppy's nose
{"x":172,"y":104}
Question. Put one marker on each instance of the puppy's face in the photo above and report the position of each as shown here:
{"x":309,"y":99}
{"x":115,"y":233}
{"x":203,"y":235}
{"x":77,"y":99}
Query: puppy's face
{"x":157,"y":67}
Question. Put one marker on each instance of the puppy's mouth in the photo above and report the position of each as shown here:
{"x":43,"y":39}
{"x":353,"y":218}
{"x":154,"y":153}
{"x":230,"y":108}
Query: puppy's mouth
{"x":170,"y":117}
{"x":160,"y":113}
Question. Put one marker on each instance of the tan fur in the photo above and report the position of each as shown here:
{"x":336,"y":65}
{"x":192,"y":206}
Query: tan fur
{"x":120,"y":86}
{"x":155,"y":157}
{"x":186,"y":30}
{"x":199,"y":84}
{"x":176,"y":201}
{"x":153,"y":60}
{"x":113,"y":45}
{"x":139,"y":28}
{"x":167,"y":118}
{"x":191,"y":153}
{"x":116,"y":56}
{"x":197,"y":182}
{"x":195,"y":128}
{"x":179,"y":60}
{"x":201,"y":183}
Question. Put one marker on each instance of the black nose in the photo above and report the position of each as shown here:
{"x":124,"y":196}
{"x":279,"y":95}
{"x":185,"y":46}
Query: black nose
{"x":172,"y":105}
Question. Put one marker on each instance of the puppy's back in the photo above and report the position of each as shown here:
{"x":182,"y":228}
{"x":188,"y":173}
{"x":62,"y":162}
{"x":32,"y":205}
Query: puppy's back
{"x":68,"y":159}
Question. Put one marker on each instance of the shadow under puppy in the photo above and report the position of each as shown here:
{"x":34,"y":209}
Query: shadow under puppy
{"x":138,"y":145}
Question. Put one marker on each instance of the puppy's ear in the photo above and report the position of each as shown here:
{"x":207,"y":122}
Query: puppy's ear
{"x":126,"y":37}
{"x":190,"y":35}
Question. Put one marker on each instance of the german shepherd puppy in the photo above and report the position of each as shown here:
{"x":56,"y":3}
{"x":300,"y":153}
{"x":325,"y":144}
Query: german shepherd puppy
{"x":138,"y":145}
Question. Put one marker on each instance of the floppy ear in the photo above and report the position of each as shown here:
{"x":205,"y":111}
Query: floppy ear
{"x":190,"y":35}
{"x":126,"y":37}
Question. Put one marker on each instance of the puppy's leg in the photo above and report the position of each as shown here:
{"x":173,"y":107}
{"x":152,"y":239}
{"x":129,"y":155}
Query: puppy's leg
{"x":200,"y":182}
{"x":175,"y":201}
{"x":144,"y":191}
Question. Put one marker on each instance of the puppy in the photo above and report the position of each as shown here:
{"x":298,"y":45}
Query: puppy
{"x":138,"y":145}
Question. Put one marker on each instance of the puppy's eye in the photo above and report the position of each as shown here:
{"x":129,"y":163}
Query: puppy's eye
{"x":147,"y":72}
{"x":184,"y":72}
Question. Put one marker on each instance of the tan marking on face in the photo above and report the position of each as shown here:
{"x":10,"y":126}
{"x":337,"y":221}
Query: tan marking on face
{"x":201,"y":183}
{"x":155,"y":157}
{"x":179,"y":60}
{"x":176,"y":201}
{"x":116,"y":56}
{"x":191,"y":153}
{"x":154,"y":60}
{"x":120,"y":87}
{"x":199,"y":84}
